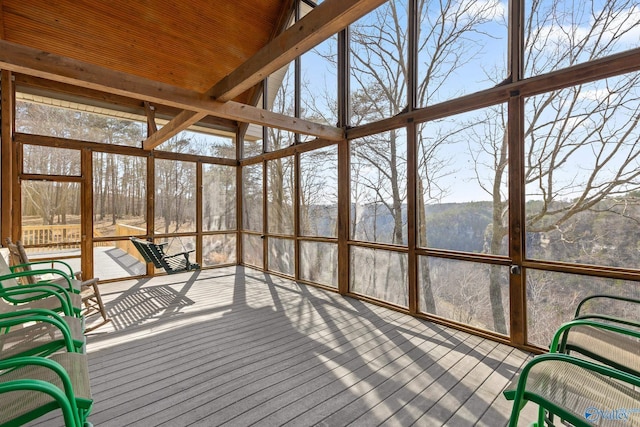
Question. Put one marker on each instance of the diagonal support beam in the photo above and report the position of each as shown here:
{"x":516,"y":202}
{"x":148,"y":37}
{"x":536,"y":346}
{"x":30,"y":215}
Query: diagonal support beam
{"x":34,"y":62}
{"x":322,"y":22}
{"x":179,"y":123}
{"x":151,"y":118}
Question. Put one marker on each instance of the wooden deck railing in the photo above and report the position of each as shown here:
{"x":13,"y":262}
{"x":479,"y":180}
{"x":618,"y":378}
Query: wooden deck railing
{"x":66,"y":236}
{"x":62,"y":236}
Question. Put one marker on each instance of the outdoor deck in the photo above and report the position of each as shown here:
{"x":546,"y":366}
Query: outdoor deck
{"x":239,"y":347}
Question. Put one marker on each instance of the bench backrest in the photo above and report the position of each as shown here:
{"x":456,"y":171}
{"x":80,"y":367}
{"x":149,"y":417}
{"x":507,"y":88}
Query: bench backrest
{"x":155,"y":254}
{"x":146,"y":250}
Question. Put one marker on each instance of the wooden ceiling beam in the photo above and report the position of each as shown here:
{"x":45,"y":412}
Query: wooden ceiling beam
{"x":325,"y":20}
{"x":97,"y":98}
{"x":34,"y":62}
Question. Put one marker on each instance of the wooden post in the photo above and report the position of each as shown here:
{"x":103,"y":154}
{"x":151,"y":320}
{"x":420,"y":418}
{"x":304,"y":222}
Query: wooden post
{"x":151,"y":198}
{"x":412,"y":164}
{"x":86,"y":207}
{"x":344,"y":175}
{"x":265,"y":214}
{"x":296,"y":216}
{"x":517,"y":281}
{"x":517,"y":277}
{"x":239,"y":219}
{"x":199,"y":245}
{"x":6,"y":154}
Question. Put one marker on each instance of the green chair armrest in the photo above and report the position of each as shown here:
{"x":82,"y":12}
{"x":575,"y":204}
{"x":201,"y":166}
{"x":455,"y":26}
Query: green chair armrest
{"x":65,"y":397}
{"x":545,"y":394}
{"x":36,"y":293}
{"x":30,"y":264}
{"x":69,"y":343}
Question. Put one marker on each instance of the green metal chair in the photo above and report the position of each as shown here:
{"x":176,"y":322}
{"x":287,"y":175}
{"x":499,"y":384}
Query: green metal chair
{"x":64,"y":275}
{"x":611,"y":344}
{"x":31,"y":387}
{"x":88,"y":289}
{"x":607,"y":308}
{"x":37,"y":332}
{"x":154,"y":253}
{"x":40,"y":295}
{"x":580,"y":391}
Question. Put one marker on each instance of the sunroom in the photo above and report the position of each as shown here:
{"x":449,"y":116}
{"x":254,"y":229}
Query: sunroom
{"x":437,"y":168}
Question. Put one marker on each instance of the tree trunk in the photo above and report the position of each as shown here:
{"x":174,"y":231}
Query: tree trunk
{"x":425,"y":273}
{"x":498,"y":231}
{"x":114,"y":182}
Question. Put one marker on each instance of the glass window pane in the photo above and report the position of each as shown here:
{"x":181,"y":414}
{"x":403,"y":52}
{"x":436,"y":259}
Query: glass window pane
{"x":460,"y":41}
{"x":218,"y":197}
{"x":252,"y":142}
{"x":281,"y":99}
{"x":176,"y":245}
{"x":117,"y":259}
{"x":119,"y":195}
{"x":201,"y":143}
{"x":379,"y":66}
{"x":562,"y":33}
{"x":43,"y":160}
{"x":552,"y":299}
{"x":278,"y":138}
{"x":471,"y":293}
{"x":218,"y":250}
{"x":281,"y":256}
{"x":281,"y":90}
{"x":319,"y":192}
{"x":319,"y":83}
{"x":51,"y":214}
{"x":319,"y":262}
{"x":379,"y":274}
{"x":280,"y":194}
{"x":252,"y":251}
{"x":462,"y":182}
{"x":379,"y":188}
{"x":252,"y":209}
{"x":175,"y":199}
{"x":48,"y":117}
{"x":582,"y":173}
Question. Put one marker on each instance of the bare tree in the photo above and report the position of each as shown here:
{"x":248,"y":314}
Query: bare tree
{"x":318,"y":192}
{"x":175,"y":192}
{"x":252,"y":182}
{"x":447,"y":40}
{"x":581,"y":143}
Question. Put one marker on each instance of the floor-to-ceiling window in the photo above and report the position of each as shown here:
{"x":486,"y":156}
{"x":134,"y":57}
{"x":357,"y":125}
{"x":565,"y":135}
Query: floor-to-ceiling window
{"x":437,"y":97}
{"x":86,"y":180}
{"x":483,"y":182}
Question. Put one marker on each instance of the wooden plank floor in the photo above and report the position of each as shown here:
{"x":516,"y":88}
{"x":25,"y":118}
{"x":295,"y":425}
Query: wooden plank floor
{"x":238,"y":347}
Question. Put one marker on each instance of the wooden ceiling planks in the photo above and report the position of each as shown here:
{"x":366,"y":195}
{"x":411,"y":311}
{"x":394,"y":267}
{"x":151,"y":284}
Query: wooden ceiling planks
{"x":191,"y":45}
{"x":187,"y":118}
